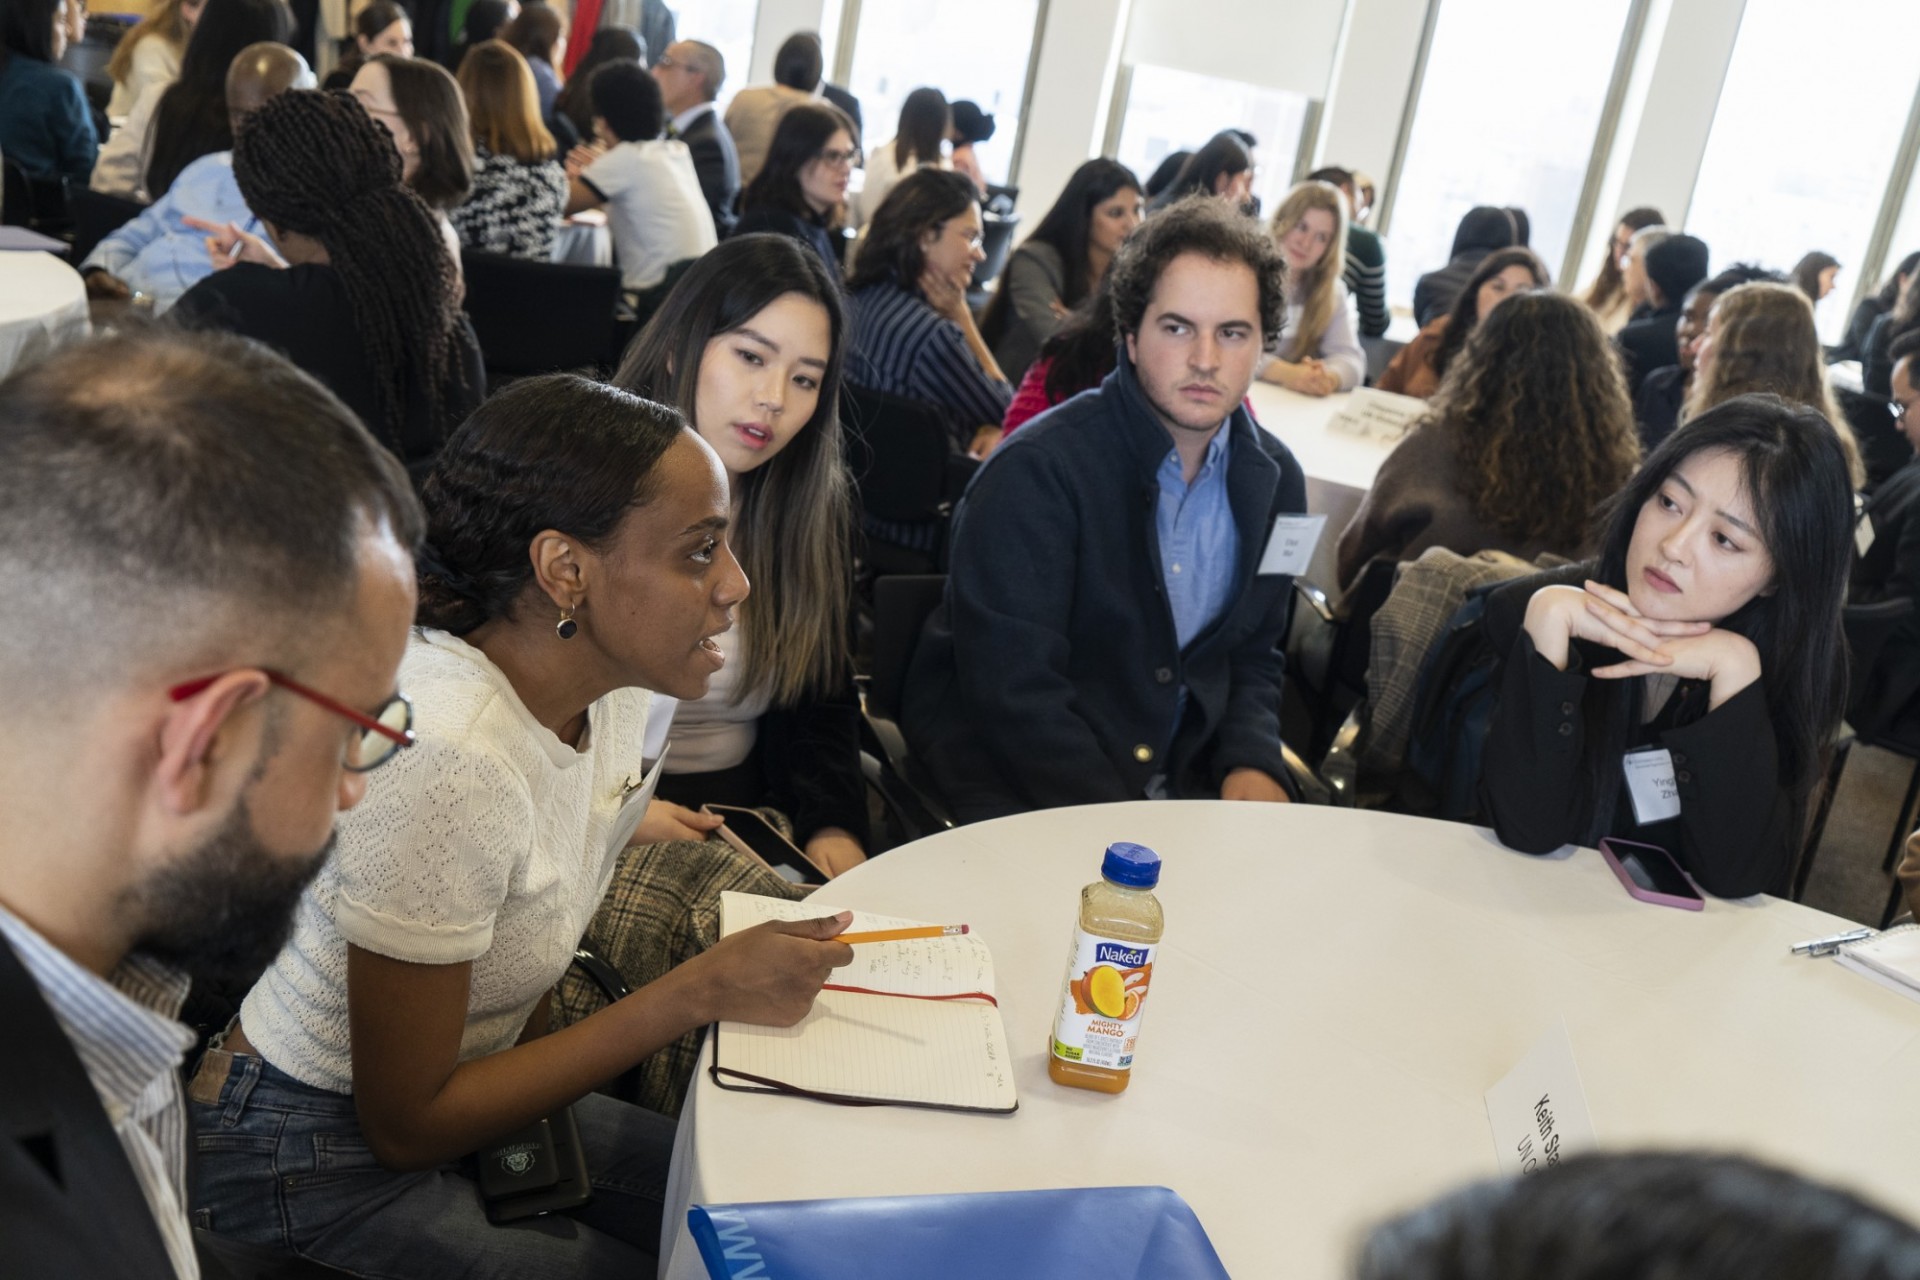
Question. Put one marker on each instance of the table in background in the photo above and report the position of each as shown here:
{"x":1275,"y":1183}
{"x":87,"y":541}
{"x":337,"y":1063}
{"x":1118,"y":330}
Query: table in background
{"x":1336,"y":991}
{"x":43,"y":306}
{"x":1340,"y":468}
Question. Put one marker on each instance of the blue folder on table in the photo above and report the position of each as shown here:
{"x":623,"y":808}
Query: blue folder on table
{"x":1113,"y":1233}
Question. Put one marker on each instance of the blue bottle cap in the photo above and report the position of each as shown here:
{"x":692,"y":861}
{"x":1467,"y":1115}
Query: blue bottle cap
{"x":1133,"y":865}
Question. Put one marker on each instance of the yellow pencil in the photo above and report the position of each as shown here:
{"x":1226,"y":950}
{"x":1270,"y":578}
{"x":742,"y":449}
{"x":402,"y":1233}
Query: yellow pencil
{"x":901,"y":935}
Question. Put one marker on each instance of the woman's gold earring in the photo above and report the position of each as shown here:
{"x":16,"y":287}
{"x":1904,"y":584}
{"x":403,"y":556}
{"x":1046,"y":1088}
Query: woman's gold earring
{"x":567,"y":627}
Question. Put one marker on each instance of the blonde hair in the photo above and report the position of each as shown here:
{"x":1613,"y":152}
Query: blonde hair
{"x":164,"y":20}
{"x":503,"y":104}
{"x":1316,"y":288}
{"x":1764,"y":340}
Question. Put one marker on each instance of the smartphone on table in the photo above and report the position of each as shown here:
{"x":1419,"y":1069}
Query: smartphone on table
{"x":1650,"y":874}
{"x":754,"y":836}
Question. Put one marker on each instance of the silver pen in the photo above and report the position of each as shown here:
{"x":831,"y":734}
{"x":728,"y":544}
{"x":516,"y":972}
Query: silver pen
{"x":1827,"y":946}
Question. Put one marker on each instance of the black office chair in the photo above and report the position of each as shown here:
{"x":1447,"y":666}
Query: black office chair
{"x":1868,"y":627}
{"x":907,"y":473}
{"x":38,"y":204}
{"x":996,"y":241}
{"x":96,"y":215}
{"x":1327,"y":651}
{"x":541,"y":317}
{"x":901,"y":605}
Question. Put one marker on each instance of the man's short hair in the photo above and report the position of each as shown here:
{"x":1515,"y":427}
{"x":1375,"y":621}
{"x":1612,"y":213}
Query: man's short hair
{"x":1209,"y":226}
{"x":1904,"y":347}
{"x":168,"y":497}
{"x":628,"y":99}
{"x":711,"y":65}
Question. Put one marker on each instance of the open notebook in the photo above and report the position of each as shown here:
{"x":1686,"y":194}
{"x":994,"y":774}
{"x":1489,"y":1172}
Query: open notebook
{"x":910,"y":1023}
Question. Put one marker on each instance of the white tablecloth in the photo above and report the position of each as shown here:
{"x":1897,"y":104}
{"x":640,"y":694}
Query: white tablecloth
{"x":1340,"y":468}
{"x":1335,"y":992}
{"x":43,"y":305}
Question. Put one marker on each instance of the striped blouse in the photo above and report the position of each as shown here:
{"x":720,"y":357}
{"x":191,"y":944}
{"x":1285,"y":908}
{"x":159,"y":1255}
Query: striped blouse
{"x":898,"y":344}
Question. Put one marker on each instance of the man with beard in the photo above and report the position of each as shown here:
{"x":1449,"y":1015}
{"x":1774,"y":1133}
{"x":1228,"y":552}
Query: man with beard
{"x":207,"y":566}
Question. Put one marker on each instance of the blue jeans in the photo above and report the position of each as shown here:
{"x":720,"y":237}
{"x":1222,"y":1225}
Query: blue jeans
{"x":282,"y":1164}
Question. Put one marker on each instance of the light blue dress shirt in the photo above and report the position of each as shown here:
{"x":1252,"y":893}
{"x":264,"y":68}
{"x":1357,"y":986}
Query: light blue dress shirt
{"x":1199,"y":545}
{"x":157,"y":253}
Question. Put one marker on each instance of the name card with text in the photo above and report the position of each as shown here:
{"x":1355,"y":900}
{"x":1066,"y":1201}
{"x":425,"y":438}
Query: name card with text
{"x":1538,"y":1110}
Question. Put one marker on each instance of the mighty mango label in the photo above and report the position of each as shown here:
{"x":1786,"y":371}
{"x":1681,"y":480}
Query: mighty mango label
{"x":1102,"y":1001}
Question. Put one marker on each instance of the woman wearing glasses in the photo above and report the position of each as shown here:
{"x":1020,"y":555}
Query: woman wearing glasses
{"x":576,"y":557}
{"x":912,"y":333}
{"x":801,"y":191}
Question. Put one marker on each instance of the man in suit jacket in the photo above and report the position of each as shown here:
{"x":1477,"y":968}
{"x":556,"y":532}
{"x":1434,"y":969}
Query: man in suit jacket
{"x":180,"y":715}
{"x":690,"y":75}
{"x":1110,"y":631}
{"x":1650,"y":341}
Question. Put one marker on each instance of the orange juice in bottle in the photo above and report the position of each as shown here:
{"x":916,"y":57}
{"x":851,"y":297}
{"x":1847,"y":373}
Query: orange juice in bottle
{"x":1108,"y":970}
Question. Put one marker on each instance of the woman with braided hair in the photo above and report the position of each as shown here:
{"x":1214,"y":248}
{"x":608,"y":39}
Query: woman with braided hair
{"x":358,"y":288}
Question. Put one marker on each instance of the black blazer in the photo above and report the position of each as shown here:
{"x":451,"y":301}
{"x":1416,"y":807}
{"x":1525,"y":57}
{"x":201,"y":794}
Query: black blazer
{"x":1648,"y":343}
{"x":1435,"y":292}
{"x":1051,"y":672}
{"x":69,"y":1202}
{"x":1737,"y":829}
{"x":846,"y":102}
{"x":779,"y":222}
{"x":718,"y":164}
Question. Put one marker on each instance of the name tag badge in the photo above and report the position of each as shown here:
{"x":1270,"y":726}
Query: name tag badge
{"x":1290,"y":546}
{"x":634,"y":807}
{"x":1650,"y":782}
{"x":1863,"y":534}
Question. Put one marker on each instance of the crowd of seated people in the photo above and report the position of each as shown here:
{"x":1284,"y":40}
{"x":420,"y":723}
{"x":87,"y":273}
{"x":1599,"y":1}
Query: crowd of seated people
{"x":673,"y":553}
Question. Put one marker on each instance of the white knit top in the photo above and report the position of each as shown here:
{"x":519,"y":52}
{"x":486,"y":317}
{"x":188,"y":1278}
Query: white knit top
{"x":490,"y":841}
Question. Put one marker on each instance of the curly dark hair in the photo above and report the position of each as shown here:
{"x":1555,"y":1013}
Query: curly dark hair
{"x":1539,"y":405}
{"x":1465,"y":315}
{"x":925,"y":200}
{"x":1207,"y":226}
{"x":555,"y":452}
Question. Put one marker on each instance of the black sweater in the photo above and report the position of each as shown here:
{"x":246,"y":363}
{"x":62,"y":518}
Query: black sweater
{"x":1737,"y":828}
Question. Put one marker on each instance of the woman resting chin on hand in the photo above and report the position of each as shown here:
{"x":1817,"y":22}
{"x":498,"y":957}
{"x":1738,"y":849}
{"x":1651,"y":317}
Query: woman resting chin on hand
{"x":1708,"y":632}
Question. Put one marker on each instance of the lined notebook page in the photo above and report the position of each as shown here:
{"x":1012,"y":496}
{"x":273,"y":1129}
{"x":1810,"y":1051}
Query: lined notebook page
{"x":876,"y":1047}
{"x":1891,"y":958}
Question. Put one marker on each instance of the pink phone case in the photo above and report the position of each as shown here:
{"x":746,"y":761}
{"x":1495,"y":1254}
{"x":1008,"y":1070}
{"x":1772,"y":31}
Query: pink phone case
{"x":1647,"y":852}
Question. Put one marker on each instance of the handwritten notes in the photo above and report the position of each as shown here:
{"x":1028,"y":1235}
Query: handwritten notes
{"x":888,"y":1047}
{"x":1373,"y":414}
{"x":1538,"y":1110}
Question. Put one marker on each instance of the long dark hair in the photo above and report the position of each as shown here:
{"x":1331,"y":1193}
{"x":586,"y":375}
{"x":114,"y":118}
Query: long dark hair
{"x":535,"y":32}
{"x":608,"y":45}
{"x":924,"y":121}
{"x":26,"y":29}
{"x":796,"y":509}
{"x":373,"y":19}
{"x":1065,"y":229}
{"x":1466,"y":306}
{"x":429,"y":100}
{"x":1890,"y":291}
{"x":799,"y":138}
{"x":1796,"y":478}
{"x":316,"y":163}
{"x":1223,"y":154}
{"x":1806,"y":273}
{"x":191,"y":120}
{"x":1609,"y":284}
{"x":919,"y":202}
{"x":557,"y":452}
{"x":1084,"y":348}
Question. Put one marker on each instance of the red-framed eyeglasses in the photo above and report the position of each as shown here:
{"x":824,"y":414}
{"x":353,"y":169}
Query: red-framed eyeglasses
{"x":381,"y":735}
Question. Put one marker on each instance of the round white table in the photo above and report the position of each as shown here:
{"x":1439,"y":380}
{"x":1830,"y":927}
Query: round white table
{"x":43,"y":306}
{"x":1335,"y":993}
{"x":1340,"y":468}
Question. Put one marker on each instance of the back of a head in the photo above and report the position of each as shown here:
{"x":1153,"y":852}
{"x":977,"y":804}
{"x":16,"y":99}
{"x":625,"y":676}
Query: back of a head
{"x":484,"y":20}
{"x":1730,"y":278}
{"x":176,"y":499}
{"x":1203,"y":225}
{"x":261,"y":71}
{"x":318,"y":164}
{"x":429,"y":100}
{"x":503,"y":104}
{"x":1483,"y":227}
{"x":1166,"y":173}
{"x":921,"y":201}
{"x":1539,"y":409}
{"x":609,"y":44}
{"x":1333,"y":176}
{"x":628,"y":99}
{"x":556,"y":452}
{"x":924,"y":120}
{"x":1676,"y":264}
{"x":26,"y":29}
{"x":971,"y":124}
{"x":535,"y":32}
{"x":800,"y":62}
{"x":1223,"y":155}
{"x":1675,"y":1216}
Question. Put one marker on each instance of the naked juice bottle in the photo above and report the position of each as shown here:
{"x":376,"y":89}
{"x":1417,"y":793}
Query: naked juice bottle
{"x":1107,"y":973}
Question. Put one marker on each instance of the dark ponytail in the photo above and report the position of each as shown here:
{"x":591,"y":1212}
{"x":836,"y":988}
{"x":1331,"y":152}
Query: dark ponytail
{"x":556,"y":452}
